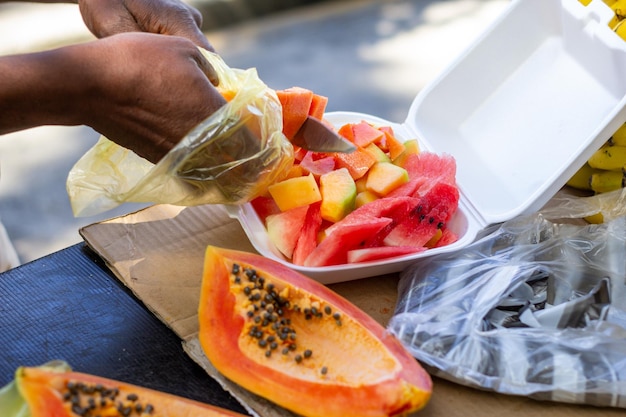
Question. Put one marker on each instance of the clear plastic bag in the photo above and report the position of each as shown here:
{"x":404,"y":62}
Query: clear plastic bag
{"x":230,"y":158}
{"x":534,"y":307}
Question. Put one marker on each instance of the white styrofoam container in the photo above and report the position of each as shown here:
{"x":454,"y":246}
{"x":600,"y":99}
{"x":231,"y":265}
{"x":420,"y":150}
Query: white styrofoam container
{"x":520,"y":110}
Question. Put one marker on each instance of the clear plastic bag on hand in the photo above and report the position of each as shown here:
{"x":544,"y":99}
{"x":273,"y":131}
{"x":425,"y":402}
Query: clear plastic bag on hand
{"x":534,"y":307}
{"x":230,"y":158}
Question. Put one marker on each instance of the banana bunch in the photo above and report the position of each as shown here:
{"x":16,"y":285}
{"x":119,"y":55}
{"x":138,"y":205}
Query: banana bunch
{"x":617,"y":23}
{"x":605,"y":170}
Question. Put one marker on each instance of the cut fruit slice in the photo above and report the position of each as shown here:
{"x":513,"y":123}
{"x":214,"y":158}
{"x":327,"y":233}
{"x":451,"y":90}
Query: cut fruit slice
{"x":325,"y":357}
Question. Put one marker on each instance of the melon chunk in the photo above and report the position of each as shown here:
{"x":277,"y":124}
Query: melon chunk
{"x":338,"y":194}
{"x":365,"y":197}
{"x":385,"y":177}
{"x":295,"y":192}
{"x":411,"y":147}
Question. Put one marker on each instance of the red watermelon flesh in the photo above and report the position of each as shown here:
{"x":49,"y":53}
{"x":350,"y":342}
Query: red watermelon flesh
{"x":392,"y":208}
{"x":426,"y":169}
{"x":317,"y":163}
{"x":446,"y":238}
{"x":284,"y":228}
{"x":380,"y":252}
{"x":307,"y":236}
{"x":333,"y":250}
{"x":436,"y":208}
{"x":264,"y":206}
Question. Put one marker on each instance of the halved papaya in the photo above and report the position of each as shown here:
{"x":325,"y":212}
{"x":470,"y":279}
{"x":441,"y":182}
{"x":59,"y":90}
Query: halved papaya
{"x":297,"y":343}
{"x":55,"y":390}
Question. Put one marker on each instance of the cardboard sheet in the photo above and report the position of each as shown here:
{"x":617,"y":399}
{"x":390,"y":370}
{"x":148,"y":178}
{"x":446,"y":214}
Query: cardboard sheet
{"x":158,"y":253}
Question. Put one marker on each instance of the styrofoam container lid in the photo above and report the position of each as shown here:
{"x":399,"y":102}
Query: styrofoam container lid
{"x":520,"y":110}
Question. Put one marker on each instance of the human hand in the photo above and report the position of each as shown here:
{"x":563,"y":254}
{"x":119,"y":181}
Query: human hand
{"x":150,"y":91}
{"x":166,"y":17}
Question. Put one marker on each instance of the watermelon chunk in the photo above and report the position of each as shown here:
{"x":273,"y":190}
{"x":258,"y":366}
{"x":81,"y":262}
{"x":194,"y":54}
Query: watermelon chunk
{"x":448,"y":237}
{"x":380,"y":252}
{"x":264,"y":206}
{"x":317,"y":163}
{"x":284,"y":228}
{"x":426,"y":169}
{"x":307,"y":237}
{"x":422,"y":223}
{"x":333,"y":250}
{"x":391,"y":208}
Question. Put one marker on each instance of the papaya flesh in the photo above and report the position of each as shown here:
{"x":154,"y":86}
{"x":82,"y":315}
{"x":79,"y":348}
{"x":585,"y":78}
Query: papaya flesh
{"x":295,"y":342}
{"x":59,"y":392}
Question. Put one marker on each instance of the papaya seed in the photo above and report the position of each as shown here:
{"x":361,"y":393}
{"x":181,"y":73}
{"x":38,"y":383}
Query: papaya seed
{"x":324,"y":370}
{"x":328,"y":310}
{"x":308,"y":353}
{"x":298,"y":358}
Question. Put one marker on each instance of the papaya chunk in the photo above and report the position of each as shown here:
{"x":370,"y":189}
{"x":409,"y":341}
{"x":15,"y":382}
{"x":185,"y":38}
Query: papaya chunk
{"x":55,"y":390}
{"x":318,"y":106}
{"x":296,"y":103}
{"x":297,"y":343}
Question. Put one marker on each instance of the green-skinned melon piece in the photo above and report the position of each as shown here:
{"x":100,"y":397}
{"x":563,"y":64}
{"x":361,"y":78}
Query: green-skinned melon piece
{"x":54,"y":390}
{"x":301,"y":345}
{"x":411,"y":147}
{"x":377,"y":153}
{"x":338,"y":194}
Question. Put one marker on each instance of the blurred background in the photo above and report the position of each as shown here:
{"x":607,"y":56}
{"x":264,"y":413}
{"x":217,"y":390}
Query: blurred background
{"x":365,"y":56}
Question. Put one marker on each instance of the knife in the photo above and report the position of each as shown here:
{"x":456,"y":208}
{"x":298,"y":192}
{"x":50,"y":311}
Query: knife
{"x":316,"y":136}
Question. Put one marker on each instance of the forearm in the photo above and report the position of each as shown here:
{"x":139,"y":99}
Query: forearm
{"x":39,"y":1}
{"x":44,"y":88}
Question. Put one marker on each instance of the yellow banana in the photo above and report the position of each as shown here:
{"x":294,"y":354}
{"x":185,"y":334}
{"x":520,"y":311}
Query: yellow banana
{"x":582,"y":178}
{"x":610,"y":158}
{"x":619,"y":137}
{"x":597,"y":218}
{"x":605,"y":181}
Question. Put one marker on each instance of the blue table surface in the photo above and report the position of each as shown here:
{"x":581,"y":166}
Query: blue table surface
{"x":69,"y":305}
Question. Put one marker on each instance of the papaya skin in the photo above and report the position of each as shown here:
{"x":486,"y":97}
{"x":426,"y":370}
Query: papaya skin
{"x":356,"y":367}
{"x":43,"y":389}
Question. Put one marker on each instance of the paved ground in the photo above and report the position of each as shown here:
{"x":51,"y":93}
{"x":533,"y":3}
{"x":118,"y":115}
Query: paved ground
{"x":366,"y":56}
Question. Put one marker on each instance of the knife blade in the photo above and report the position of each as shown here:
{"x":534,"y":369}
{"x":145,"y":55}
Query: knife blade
{"x":315,"y":136}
